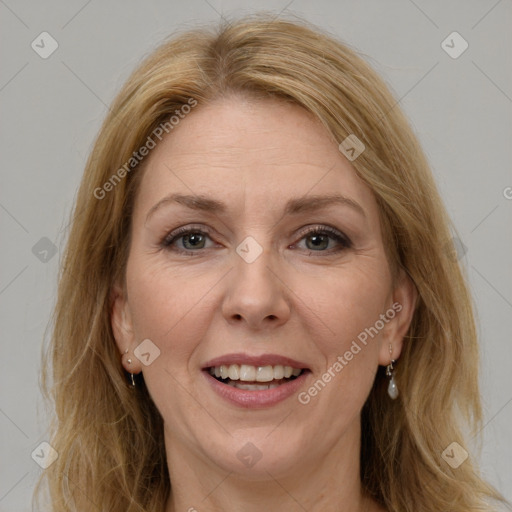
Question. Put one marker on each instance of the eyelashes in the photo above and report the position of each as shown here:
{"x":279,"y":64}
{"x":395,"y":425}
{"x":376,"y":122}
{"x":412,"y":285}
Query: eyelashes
{"x":320,"y":237}
{"x":193,"y":240}
{"x":192,"y":236}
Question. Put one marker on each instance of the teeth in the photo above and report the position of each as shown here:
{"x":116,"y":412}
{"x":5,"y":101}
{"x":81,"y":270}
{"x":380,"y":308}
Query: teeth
{"x":265,"y":374}
{"x":278,"y":372}
{"x":234,"y":372}
{"x":224,"y":371}
{"x":252,"y":387}
{"x":248,"y":373}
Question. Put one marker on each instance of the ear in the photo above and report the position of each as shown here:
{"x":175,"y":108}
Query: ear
{"x":122,"y":328}
{"x":400,"y":314}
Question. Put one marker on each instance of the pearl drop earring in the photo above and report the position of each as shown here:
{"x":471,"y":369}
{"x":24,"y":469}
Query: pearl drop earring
{"x":392,"y":387}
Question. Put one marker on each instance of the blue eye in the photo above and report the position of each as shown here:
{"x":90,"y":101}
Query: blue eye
{"x":324,"y":239}
{"x":193,"y":241}
{"x":187,"y":240}
{"x":319,"y":239}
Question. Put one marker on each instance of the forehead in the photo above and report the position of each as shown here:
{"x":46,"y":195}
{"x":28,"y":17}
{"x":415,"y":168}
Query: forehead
{"x":249,"y":150}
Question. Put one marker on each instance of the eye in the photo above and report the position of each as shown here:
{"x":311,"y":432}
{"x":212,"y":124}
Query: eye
{"x":193,"y":241}
{"x":187,"y":239}
{"x":323,"y":239}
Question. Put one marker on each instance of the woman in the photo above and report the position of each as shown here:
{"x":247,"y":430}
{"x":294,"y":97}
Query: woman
{"x":256,"y":309}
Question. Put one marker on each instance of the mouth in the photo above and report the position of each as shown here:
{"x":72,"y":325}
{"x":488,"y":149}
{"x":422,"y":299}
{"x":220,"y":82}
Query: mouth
{"x":255,"y":382}
{"x":254,"y":378}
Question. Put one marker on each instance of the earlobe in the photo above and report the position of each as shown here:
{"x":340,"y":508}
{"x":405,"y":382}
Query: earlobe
{"x":122,"y":328}
{"x":405,"y":297}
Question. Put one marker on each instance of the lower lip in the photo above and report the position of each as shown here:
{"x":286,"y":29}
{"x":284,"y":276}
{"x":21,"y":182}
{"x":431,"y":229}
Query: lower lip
{"x":256,"y":399}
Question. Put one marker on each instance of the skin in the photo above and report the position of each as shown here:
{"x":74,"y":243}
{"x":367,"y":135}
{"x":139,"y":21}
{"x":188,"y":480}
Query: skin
{"x":296,"y":299}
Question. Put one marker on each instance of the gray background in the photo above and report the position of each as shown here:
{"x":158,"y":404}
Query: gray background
{"x":52,"y":108}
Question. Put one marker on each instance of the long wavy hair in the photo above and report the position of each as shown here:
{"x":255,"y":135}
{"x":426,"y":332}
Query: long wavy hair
{"x":109,"y":437}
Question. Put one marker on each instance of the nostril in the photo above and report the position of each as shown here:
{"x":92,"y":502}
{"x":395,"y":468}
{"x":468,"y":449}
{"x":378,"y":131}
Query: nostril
{"x":271,"y":317}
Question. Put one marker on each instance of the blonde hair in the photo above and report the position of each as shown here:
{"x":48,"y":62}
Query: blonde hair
{"x":109,"y":437}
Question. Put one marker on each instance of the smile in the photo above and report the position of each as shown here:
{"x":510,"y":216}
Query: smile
{"x":255,"y":382}
{"x":254,"y":378}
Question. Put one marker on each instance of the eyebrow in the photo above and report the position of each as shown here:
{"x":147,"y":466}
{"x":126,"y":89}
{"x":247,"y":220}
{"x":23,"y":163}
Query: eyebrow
{"x":194,"y":202}
{"x":311,"y":203}
{"x":293,"y":206}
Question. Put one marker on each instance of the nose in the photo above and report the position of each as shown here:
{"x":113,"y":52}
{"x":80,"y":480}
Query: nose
{"x":255,"y":296}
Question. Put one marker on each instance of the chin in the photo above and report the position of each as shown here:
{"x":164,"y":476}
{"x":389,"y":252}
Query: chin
{"x":253,"y":456}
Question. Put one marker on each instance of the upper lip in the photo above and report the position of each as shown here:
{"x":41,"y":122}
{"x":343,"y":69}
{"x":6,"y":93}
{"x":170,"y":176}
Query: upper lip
{"x":261,"y":360}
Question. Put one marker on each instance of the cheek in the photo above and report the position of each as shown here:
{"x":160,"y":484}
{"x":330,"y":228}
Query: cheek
{"x":174,"y":313}
{"x":345,"y":323}
{"x":344,"y":304}
{"x":169,"y":309}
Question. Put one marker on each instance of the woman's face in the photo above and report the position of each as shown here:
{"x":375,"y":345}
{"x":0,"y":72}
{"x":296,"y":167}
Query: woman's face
{"x":256,"y":247}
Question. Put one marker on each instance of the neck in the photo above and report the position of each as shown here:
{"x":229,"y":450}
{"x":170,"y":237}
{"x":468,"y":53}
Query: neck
{"x":330,"y":482}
